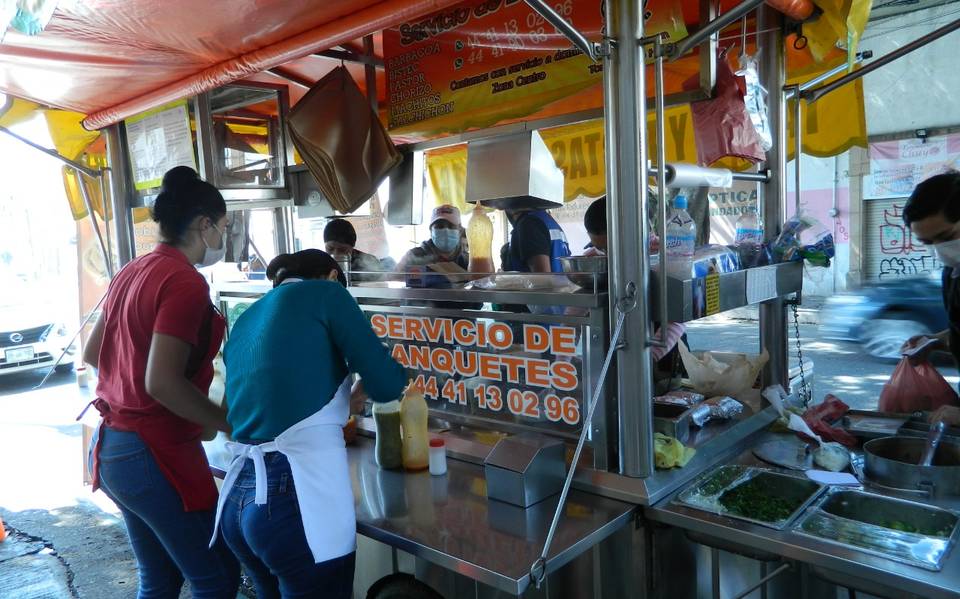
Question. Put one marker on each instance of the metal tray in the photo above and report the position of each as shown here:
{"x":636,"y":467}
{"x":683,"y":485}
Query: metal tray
{"x":855,"y":519}
{"x":706,"y":492}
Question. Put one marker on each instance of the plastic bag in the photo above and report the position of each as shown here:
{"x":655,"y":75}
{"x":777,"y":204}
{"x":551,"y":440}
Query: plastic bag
{"x":915,"y":387}
{"x":756,"y":100}
{"x":730,"y":376}
{"x":722,"y":123}
{"x":714,"y":259}
{"x":804,"y":238}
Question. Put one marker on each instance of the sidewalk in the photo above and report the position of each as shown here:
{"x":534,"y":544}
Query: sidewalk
{"x":808,"y":313}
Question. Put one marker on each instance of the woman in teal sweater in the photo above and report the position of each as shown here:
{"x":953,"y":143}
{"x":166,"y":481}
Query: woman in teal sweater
{"x":287,"y":506}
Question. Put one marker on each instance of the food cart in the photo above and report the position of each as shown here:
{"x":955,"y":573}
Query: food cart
{"x":623,"y":528}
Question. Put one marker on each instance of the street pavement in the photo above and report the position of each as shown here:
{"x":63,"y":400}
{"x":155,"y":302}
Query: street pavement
{"x":66,"y":541}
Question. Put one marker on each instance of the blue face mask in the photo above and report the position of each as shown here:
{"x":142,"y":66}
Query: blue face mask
{"x":446,"y":240}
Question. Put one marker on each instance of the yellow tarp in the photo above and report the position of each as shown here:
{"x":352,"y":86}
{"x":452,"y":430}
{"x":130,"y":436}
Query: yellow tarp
{"x":830,"y":126}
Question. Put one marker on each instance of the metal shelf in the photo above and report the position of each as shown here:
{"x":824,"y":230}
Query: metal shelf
{"x":705,"y":296}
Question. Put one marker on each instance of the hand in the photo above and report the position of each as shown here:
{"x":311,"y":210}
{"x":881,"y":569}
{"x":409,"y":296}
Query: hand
{"x":918,"y":340}
{"x":949,"y":415}
{"x":358,"y":397}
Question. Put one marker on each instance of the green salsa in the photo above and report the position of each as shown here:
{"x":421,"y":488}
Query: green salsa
{"x":752,"y":500}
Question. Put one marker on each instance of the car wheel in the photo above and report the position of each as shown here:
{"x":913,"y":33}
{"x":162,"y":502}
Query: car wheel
{"x":883,"y":337}
{"x":64,"y":368}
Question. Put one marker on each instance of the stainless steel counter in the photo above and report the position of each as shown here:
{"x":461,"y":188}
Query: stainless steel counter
{"x":449,"y":521}
{"x":839,"y":564}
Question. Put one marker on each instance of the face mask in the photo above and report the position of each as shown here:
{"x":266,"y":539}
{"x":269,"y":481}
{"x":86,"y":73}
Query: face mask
{"x":213,"y":255}
{"x":948,"y":252}
{"x":446,"y":240}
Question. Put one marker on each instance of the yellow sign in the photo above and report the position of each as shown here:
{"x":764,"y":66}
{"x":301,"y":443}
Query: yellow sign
{"x":713,"y":294}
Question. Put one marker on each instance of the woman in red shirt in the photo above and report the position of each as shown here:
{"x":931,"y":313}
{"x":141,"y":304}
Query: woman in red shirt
{"x":154,"y":347}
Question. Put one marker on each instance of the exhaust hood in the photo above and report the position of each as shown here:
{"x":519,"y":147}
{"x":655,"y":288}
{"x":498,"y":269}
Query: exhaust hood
{"x":513,"y":171}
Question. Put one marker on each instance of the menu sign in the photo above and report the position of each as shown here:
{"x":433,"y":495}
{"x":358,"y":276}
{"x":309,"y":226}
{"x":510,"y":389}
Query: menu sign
{"x":480,"y":62}
{"x":159,"y":140}
{"x":524,"y":372}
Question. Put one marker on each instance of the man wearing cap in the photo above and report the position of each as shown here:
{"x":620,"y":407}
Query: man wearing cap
{"x":447,"y":242}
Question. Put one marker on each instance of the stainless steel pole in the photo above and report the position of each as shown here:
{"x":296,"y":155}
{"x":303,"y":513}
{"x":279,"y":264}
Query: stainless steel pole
{"x":732,"y":15}
{"x":773,"y":317}
{"x":797,"y":150}
{"x":120,"y":192}
{"x":661,"y":190}
{"x":626,"y":127}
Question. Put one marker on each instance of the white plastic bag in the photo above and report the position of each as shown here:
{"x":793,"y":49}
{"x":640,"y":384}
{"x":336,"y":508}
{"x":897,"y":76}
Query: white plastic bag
{"x":731,"y":374}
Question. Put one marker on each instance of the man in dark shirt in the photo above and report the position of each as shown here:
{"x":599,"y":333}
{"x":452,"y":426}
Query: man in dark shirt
{"x":933,"y":215}
{"x":536,"y":242}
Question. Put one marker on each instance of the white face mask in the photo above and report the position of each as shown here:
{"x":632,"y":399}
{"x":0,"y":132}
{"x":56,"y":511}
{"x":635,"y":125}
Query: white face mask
{"x":213,"y":255}
{"x":948,"y":252}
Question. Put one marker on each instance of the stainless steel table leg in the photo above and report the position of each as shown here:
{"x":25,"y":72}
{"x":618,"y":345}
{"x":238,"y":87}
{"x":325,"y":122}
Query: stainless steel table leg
{"x":715,"y":572}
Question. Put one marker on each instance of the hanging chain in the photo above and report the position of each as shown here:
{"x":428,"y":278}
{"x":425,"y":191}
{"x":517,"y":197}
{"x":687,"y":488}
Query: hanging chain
{"x":806,"y":393}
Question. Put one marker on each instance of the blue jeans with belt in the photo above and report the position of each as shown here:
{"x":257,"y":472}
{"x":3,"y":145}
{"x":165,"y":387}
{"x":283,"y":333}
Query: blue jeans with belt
{"x":270,"y":542}
{"x":170,"y":544}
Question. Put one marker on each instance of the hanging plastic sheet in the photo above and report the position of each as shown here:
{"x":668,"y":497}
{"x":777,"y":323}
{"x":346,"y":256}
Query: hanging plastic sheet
{"x":342,"y":141}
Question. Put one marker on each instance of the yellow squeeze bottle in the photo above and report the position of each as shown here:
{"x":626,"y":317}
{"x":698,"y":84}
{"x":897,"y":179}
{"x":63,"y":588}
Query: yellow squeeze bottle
{"x":480,"y":238}
{"x":416,"y":439}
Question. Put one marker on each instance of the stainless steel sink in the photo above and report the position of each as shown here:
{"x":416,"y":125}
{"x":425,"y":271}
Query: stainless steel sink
{"x":905,"y":531}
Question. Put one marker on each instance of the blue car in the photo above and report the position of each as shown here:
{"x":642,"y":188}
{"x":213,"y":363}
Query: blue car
{"x":881,"y":316}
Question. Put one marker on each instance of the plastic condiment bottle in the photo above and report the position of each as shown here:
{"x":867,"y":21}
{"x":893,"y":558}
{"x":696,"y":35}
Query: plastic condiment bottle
{"x":389,"y":442}
{"x":413,"y":416}
{"x":480,"y":239}
{"x":438,"y":457}
{"x":681,"y":240}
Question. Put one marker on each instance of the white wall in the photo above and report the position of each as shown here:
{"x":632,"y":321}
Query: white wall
{"x":920,"y":90}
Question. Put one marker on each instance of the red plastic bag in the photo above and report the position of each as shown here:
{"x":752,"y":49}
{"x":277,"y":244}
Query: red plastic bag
{"x":722,"y":124}
{"x":916,"y":387}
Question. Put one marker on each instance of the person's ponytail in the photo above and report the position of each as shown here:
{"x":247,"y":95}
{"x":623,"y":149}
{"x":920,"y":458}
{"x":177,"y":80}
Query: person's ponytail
{"x":183,"y":197}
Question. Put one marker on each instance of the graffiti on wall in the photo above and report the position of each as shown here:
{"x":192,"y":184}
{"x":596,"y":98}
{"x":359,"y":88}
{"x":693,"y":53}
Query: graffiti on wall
{"x":901,"y":254}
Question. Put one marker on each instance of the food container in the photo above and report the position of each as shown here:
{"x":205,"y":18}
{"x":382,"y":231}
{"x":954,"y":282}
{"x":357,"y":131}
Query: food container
{"x":897,"y":529}
{"x":728,"y":490}
{"x":585,"y":271}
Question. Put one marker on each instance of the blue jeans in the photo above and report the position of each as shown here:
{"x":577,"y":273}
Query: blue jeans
{"x":270,"y":541}
{"x":170,"y":544}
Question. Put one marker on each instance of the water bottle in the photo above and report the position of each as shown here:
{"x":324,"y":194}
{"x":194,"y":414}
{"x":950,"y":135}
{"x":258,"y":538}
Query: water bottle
{"x":749,"y":239}
{"x":681,"y":240}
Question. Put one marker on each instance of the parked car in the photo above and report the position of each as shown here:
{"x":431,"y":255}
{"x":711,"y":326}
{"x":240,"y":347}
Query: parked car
{"x":32,"y":334}
{"x":881,"y":316}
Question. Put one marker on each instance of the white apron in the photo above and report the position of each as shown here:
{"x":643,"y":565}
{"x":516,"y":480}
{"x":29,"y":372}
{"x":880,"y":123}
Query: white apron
{"x":318,"y":459}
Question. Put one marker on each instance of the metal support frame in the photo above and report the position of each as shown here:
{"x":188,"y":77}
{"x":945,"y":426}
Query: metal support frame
{"x":815,"y":94}
{"x":625,"y":125}
{"x":773,"y":316}
{"x":791,"y":90}
{"x":591,"y":49}
{"x":680,"y":48}
{"x":104,"y":252}
{"x":86,"y":170}
{"x":292,"y":77}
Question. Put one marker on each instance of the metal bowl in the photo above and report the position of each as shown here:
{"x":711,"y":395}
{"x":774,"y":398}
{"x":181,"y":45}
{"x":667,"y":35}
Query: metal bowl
{"x":584,"y":270}
{"x":894,"y":462}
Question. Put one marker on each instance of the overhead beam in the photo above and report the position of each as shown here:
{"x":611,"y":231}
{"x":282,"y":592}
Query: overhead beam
{"x":291,"y":77}
{"x":344,"y":56}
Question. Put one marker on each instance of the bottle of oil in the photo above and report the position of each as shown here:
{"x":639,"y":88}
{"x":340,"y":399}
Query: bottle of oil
{"x":480,"y":239}
{"x":416,"y":439}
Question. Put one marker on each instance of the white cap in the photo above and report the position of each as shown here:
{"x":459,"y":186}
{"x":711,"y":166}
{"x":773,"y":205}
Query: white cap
{"x":446,"y":212}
